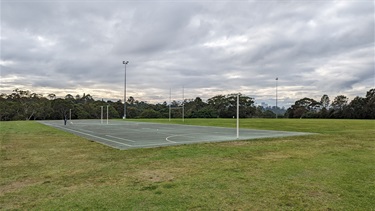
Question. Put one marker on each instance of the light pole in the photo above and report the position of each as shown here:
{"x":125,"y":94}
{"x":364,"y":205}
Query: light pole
{"x":101,"y":114}
{"x":238,"y":116}
{"x":107,"y":114}
{"x":125,"y":63}
{"x":276,"y":97}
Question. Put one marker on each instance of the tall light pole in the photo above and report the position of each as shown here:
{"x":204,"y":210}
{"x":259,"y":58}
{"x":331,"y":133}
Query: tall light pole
{"x":107,"y":114}
{"x":276,"y":97}
{"x":101,"y":114}
{"x":125,"y":63}
{"x":238,"y":116}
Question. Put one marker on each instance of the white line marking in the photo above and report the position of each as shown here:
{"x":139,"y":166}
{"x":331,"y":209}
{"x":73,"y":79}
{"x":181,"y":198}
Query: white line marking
{"x":171,"y":143}
{"x":94,"y":136}
{"x":120,"y":138}
{"x":159,"y":144}
{"x":87,"y":131}
{"x":168,"y":134}
{"x":167,"y":139}
{"x":186,"y":135}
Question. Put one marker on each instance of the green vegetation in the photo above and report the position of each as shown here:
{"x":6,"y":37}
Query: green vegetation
{"x":25,"y":105}
{"x":42,"y":168}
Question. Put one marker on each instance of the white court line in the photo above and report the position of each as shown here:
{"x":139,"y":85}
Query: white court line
{"x":186,"y":135}
{"x":94,"y":136}
{"x":87,"y":131}
{"x":120,"y":138}
{"x":171,"y":144}
{"x":167,"y":139}
{"x":150,"y":145}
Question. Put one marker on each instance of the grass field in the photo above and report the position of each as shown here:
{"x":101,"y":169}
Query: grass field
{"x":42,"y":168}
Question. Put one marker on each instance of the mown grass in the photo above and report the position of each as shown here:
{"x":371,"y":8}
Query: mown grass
{"x":43,"y":168}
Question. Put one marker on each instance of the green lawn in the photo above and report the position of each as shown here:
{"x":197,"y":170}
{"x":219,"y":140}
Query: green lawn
{"x":42,"y":168}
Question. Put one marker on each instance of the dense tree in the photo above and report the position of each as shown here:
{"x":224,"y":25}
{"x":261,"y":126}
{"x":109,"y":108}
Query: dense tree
{"x":25,"y":105}
{"x":219,"y":103}
{"x":150,"y":113}
{"x":358,"y":108}
{"x":340,"y":102}
{"x":198,"y":109}
{"x":226,"y":106}
{"x":8,"y":110}
{"x":61,"y":108}
{"x":304,"y":108}
{"x":119,"y":107}
{"x":339,"y":107}
{"x":370,"y":104}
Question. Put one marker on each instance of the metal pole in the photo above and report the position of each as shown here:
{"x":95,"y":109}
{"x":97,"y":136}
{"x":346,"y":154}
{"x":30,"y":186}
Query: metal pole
{"x":124,"y":117}
{"x":125,"y":63}
{"x":276,"y":97}
{"x":170,"y":102}
{"x":183,"y":104}
{"x":70,"y":115}
{"x":107,"y":114}
{"x":101,"y":115}
{"x":238,"y":116}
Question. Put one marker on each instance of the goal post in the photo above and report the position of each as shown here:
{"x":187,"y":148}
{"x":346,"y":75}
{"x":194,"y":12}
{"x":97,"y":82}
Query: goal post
{"x":102,"y":114}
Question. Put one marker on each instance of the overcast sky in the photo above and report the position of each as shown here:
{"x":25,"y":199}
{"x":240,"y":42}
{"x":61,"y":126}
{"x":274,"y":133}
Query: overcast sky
{"x":208,"y":47}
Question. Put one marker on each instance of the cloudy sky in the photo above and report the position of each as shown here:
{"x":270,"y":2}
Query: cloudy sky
{"x":209,"y":47}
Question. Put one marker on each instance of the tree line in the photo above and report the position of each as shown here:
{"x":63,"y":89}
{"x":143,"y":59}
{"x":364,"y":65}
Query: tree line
{"x":26,"y":105}
{"x":339,"y":108}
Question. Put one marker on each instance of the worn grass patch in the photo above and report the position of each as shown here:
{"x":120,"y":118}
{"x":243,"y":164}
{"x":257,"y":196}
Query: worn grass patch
{"x":43,"y":168}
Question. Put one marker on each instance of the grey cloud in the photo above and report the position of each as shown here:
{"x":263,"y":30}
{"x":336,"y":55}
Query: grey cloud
{"x":208,"y":48}
{"x":155,"y":29}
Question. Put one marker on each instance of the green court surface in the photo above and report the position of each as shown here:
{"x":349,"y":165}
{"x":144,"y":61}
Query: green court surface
{"x":128,"y":135}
